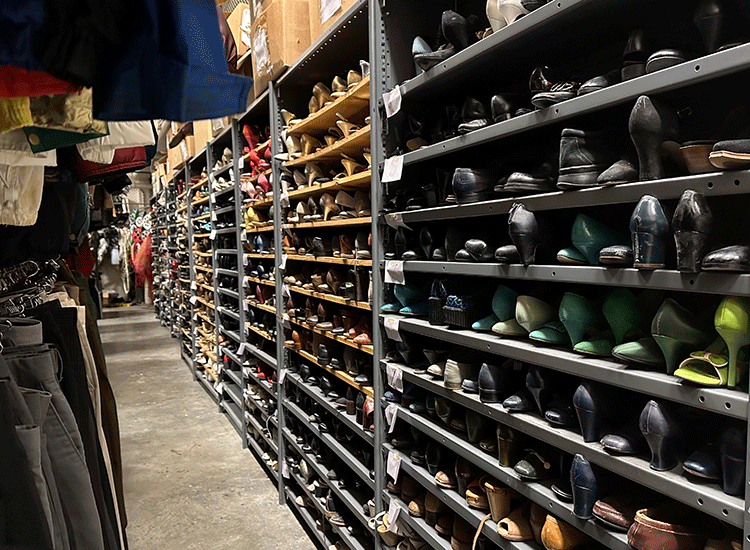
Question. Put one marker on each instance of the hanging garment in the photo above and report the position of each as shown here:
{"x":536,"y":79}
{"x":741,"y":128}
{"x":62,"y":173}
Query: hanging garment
{"x":173,"y":68}
{"x":125,"y":160}
{"x":17,"y":82}
{"x":121,"y":135}
{"x":14,"y":113}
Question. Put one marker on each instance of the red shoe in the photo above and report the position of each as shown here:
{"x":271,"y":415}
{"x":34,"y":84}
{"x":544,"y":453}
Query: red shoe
{"x":250,"y":135}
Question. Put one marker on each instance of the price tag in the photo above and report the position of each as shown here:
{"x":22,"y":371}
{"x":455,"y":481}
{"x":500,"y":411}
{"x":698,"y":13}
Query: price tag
{"x":392,"y":169}
{"x":394,"y":272}
{"x":241,"y":163}
{"x":394,"y":466}
{"x":282,"y":376}
{"x":194,"y":300}
{"x":213,"y":197}
{"x":284,"y":470}
{"x":213,"y":216}
{"x":391,"y":328}
{"x":392,"y":101}
{"x":241,"y":349}
{"x":212,"y":236}
{"x":245,"y":257}
{"x":194,"y":285}
{"x":395,"y":377}
{"x":282,"y":265}
{"x":393,"y":512}
{"x":391,"y":415}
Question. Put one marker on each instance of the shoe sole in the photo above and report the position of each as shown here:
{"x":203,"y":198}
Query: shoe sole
{"x":728,"y":160}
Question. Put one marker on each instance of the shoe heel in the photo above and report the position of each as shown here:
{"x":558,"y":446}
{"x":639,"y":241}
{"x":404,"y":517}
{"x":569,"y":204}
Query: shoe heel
{"x":674,"y":351}
{"x":526,"y":245}
{"x":489,"y":396}
{"x":662,"y":454}
{"x":591,"y":424}
{"x":576,"y":330}
{"x":649,"y":251}
{"x":648,"y":147}
{"x":735,"y":340}
{"x":691,"y":247}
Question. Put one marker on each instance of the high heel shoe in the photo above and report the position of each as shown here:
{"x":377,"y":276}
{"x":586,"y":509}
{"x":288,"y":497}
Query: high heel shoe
{"x":625,"y":315}
{"x":293,"y":146}
{"x":351,"y":166}
{"x":650,"y":234}
{"x":732,"y":322}
{"x":502,"y":13}
{"x":456,"y":30}
{"x":578,"y":315}
{"x":329,"y":207}
{"x":537,"y":382}
{"x":692,"y":225}
{"x":322,"y":94}
{"x":338,"y":85}
{"x":524,"y":232}
{"x":709,"y":18}
{"x":309,"y":144}
{"x":312,"y":105}
{"x":347,"y":128}
{"x":678,"y":333}
{"x":651,"y":124}
{"x":287,"y":117}
{"x":592,"y":405}
{"x":315,"y":174}
{"x":660,"y":428}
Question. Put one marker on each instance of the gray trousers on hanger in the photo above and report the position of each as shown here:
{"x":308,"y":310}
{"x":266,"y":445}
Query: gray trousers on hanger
{"x":35,"y":367}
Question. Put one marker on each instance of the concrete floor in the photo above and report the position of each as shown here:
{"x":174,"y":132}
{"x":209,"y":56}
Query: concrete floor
{"x":188,"y":483}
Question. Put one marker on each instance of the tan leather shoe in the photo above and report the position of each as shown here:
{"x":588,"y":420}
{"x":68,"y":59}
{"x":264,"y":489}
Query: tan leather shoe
{"x":500,"y":498}
{"x":537,"y":517}
{"x":416,"y":506}
{"x":309,"y":144}
{"x":314,"y":173}
{"x":313,"y":106}
{"x":351,"y":166}
{"x":558,"y":535}
{"x":338,"y":84}
{"x":516,"y":525}
{"x":329,"y":207}
{"x":322,"y":94}
{"x":329,"y":139}
{"x":353,"y":78}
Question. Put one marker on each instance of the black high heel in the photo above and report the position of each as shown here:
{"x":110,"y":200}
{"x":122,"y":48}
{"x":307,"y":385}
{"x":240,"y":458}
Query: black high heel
{"x":709,"y":18}
{"x":401,"y":242}
{"x":649,"y":231}
{"x":651,"y":124}
{"x":524,"y":232}
{"x":660,"y":429}
{"x":590,"y":404}
{"x":692,"y":225}
{"x":537,"y":383}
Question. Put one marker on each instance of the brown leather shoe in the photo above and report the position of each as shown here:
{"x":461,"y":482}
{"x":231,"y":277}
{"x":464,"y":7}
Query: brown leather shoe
{"x":500,"y":498}
{"x":558,"y":535}
{"x":476,"y":495}
{"x":434,"y":509}
{"x":463,"y":534}
{"x":329,"y":207}
{"x":417,"y":506}
{"x":444,"y":525}
{"x":666,"y":528}
{"x":616,"y":512}
{"x":516,"y":525}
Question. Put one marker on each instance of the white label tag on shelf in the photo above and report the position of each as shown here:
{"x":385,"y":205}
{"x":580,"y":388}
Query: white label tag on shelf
{"x":285,"y":323}
{"x":391,"y":328}
{"x":213,"y":216}
{"x":284,"y":470}
{"x":193,"y":300}
{"x":282,"y":376}
{"x":395,"y":377}
{"x":212,"y":236}
{"x":285,"y":291}
{"x":245,"y":306}
{"x":328,"y":8}
{"x":241,"y":163}
{"x":220,"y":387}
{"x":392,"y":169}
{"x":392,"y":101}
{"x":394,"y":466}
{"x":241,"y":350}
{"x":394,"y":272}
{"x":193,"y":285}
{"x":245,"y":281}
{"x":282,"y":265}
{"x":212,"y":180}
{"x":391,"y":414}
{"x":394,"y":510}
{"x":184,"y":149}
{"x":284,"y":200}
{"x":243,"y":237}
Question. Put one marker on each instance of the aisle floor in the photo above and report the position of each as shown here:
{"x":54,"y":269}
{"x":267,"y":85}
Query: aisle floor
{"x":189,"y":485}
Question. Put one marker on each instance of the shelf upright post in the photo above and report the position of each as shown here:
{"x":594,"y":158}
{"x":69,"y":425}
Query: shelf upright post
{"x":274,"y":112}
{"x":378,"y":85}
{"x":239,"y":227}
{"x":191,"y":253}
{"x":214,"y":257}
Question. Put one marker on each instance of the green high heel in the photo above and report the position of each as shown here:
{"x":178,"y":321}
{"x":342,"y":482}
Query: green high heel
{"x":678,"y":333}
{"x":578,"y":315}
{"x":624,"y":315}
{"x":732,"y":322}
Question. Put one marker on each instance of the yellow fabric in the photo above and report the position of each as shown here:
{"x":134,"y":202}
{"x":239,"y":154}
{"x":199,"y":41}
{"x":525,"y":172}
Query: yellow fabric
{"x":15,"y":112}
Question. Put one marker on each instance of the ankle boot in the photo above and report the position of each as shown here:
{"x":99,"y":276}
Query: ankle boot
{"x":651,"y":124}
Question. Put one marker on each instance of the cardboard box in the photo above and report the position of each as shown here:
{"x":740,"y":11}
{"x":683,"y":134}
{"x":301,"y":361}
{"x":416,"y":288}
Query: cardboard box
{"x":241,"y":18}
{"x":202,"y":133}
{"x":187,"y":146}
{"x":174,"y":158}
{"x":324,"y":13}
{"x":280,"y":34}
